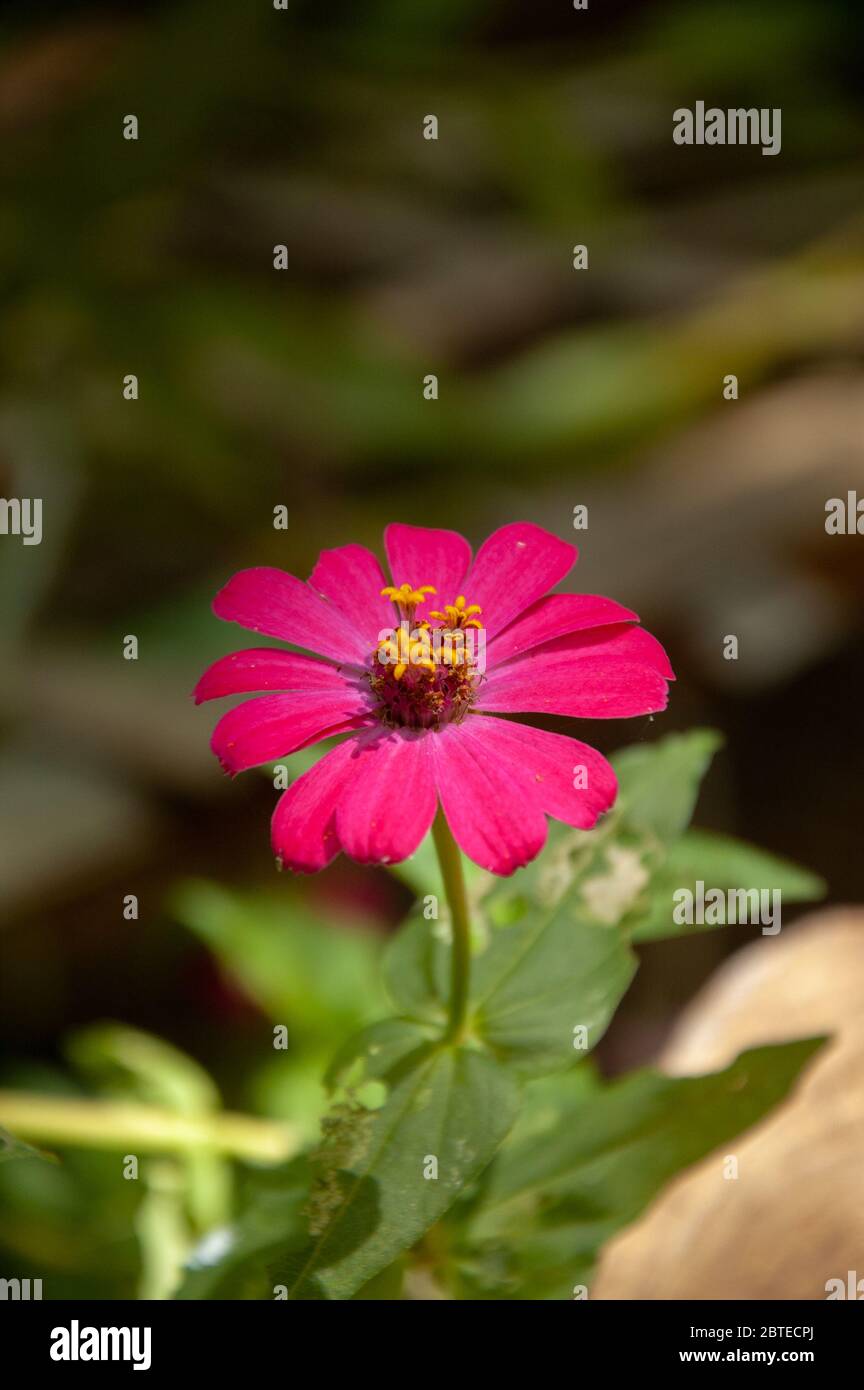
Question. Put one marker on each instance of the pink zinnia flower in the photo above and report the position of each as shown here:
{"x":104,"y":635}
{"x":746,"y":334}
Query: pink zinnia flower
{"x":423,"y":716}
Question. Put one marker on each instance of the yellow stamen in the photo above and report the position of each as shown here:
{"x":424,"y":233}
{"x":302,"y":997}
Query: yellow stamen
{"x":403,"y":651}
{"x":431,"y":667}
{"x":405,"y":597}
{"x":457,"y":615}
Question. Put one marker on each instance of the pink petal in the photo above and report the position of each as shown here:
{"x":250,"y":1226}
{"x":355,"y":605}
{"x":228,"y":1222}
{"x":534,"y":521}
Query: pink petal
{"x":513,"y":568}
{"x":351,"y":579}
{"x":552,"y":617}
{"x":266,"y":668}
{"x":423,"y":555}
{"x":273,"y":726}
{"x":303,"y":830}
{"x":624,"y":639}
{"x":604,"y":673}
{"x":390,"y":804}
{"x":554,"y":762}
{"x":279,"y":605}
{"x":492,"y":807}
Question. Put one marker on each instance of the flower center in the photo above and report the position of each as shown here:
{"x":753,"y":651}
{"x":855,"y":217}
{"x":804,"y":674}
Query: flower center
{"x":425,"y":675}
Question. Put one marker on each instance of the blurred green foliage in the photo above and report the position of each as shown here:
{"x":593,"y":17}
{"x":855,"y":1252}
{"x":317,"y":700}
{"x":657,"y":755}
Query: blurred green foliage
{"x":317,"y":984}
{"x":405,"y":256}
{"x":259,"y":388}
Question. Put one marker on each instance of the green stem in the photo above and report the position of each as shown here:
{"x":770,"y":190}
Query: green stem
{"x":102,"y":1124}
{"x":450,"y":860}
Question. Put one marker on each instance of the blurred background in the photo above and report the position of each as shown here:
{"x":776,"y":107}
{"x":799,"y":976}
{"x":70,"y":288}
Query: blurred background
{"x":303,"y":388}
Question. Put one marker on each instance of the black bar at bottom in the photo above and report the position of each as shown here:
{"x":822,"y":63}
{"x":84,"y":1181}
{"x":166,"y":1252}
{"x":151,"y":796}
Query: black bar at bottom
{"x":260,"y":1339}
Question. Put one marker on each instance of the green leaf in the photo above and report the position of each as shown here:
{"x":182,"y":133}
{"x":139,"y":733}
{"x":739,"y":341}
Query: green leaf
{"x":416,"y":969}
{"x":314,"y":978}
{"x":11,"y":1148}
{"x":533,"y":981}
{"x":659,"y":782}
{"x":547,"y":952}
{"x":551,"y":946}
{"x":554,"y":1196}
{"x":385,"y":1287}
{"x":559,"y":970}
{"x":535,"y":973}
{"x":719,"y":861}
{"x":371,"y":1200}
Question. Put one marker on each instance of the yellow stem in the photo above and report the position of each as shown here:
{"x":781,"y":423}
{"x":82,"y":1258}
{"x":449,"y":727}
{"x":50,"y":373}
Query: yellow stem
{"x":102,"y":1124}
